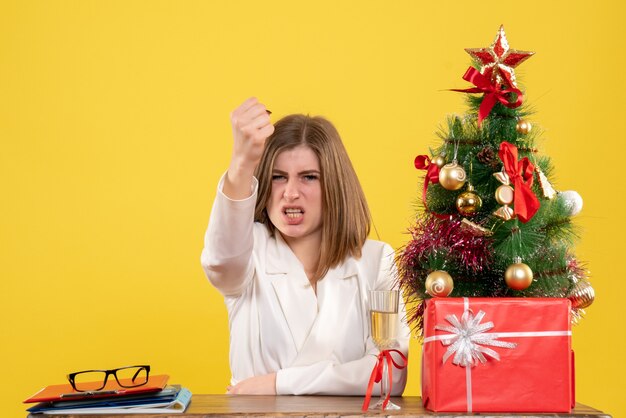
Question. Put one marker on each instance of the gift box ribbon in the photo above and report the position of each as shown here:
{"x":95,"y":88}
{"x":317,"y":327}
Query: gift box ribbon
{"x":468,"y":339}
{"x":377,"y":375}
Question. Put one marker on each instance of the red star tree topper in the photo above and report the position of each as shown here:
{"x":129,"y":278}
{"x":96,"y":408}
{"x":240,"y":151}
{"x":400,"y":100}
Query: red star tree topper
{"x":498,"y":60}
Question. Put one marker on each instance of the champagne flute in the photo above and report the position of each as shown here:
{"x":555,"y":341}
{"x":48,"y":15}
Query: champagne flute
{"x":384,"y":322}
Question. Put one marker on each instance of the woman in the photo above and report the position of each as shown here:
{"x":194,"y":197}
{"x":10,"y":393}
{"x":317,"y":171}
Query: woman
{"x":287,"y":247}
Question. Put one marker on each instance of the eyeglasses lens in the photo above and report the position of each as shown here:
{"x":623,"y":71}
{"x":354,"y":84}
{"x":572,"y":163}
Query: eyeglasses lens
{"x":129,"y":377}
{"x":89,"y":380}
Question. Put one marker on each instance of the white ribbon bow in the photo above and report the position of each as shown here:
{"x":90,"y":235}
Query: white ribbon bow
{"x":468,"y":338}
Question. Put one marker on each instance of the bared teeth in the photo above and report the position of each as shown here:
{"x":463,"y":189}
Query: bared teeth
{"x":293,"y":212}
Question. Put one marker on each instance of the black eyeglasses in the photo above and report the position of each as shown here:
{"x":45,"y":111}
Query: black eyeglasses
{"x":126,"y":377}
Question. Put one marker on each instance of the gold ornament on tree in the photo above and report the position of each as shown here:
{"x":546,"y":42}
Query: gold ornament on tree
{"x":439,"y":283}
{"x":518,"y":276}
{"x":582,"y":295}
{"x":544,"y":184}
{"x":475,"y":228}
{"x":504,"y":196}
{"x":523,"y":127}
{"x":438,"y":160}
{"x":469,"y":202}
{"x":452,"y":176}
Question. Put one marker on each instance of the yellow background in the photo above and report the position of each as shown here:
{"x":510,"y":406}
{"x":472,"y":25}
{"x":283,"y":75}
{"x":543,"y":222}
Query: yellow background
{"x":114,"y":125}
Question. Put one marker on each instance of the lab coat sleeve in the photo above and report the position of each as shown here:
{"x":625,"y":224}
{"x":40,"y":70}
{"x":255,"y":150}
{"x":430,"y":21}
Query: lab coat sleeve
{"x":351,"y":378}
{"x":331,"y":378}
{"x":228,"y":242}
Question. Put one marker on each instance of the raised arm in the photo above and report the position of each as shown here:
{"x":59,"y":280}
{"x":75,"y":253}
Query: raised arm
{"x":251,"y":128}
{"x":226,"y":257}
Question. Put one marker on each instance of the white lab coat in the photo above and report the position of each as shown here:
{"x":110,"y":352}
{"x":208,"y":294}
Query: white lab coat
{"x":315,"y":344}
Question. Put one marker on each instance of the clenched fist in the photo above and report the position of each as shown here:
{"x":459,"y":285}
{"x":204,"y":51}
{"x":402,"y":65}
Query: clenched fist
{"x":251,"y":127}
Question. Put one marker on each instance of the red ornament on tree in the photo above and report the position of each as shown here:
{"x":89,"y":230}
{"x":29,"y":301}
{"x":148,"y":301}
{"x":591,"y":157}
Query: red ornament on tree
{"x":521,"y":174}
{"x":423,"y":162}
{"x":499,"y":60}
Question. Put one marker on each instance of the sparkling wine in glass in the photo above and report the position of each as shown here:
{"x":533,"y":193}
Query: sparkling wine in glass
{"x":384,"y":323}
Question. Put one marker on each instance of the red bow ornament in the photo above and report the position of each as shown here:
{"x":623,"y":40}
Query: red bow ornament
{"x":493,"y":93}
{"x":423,"y":162}
{"x":377,"y":375}
{"x":520,"y":174}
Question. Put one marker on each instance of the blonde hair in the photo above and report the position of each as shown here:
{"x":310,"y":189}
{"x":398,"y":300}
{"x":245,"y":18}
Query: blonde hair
{"x":345,"y":214}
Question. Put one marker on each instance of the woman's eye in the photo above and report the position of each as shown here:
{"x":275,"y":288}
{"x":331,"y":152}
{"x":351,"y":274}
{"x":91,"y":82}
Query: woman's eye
{"x":311,"y":177}
{"x":277,"y":177}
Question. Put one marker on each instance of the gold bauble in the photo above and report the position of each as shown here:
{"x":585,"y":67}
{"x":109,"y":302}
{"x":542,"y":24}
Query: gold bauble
{"x":504,"y":194}
{"x":518,"y":276}
{"x":439,"y":284}
{"x":523,"y":127}
{"x":469,"y":203}
{"x":582,"y":295}
{"x":438,"y":160}
{"x":452,"y":176}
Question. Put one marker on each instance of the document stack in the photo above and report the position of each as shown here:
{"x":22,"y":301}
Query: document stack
{"x":154,"y":397}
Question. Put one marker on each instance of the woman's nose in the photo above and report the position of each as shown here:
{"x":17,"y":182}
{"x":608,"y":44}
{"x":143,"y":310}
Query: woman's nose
{"x":291,"y":190}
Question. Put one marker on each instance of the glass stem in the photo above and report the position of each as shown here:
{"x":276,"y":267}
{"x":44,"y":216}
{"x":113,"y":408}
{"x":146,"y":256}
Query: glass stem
{"x":384,"y":384}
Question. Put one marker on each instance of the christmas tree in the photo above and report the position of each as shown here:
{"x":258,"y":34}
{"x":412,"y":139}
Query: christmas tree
{"x":492,"y":224}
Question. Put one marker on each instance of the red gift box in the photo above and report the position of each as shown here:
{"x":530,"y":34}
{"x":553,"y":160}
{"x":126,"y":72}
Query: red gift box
{"x":497,"y":355}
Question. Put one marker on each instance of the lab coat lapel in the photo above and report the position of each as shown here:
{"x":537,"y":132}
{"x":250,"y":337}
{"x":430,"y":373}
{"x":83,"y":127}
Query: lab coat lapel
{"x":293,"y":290}
{"x":336,"y":296}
